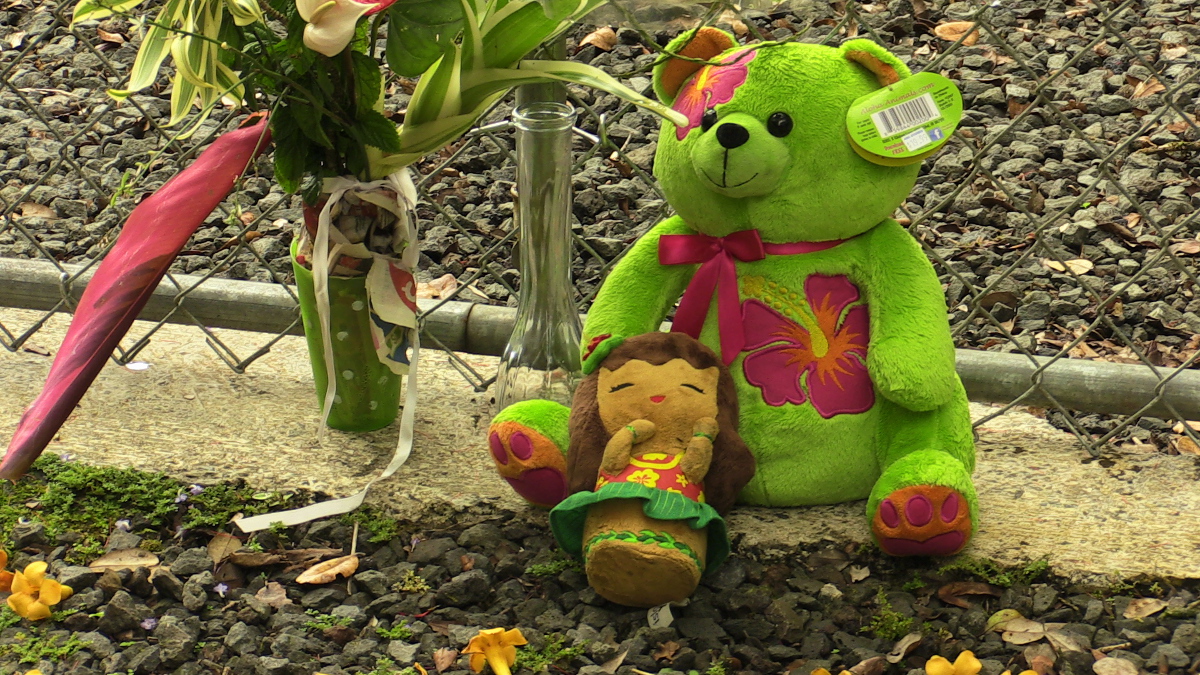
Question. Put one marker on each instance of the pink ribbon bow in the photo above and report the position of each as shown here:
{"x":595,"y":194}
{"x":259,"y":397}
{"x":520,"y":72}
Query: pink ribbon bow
{"x":718,"y":275}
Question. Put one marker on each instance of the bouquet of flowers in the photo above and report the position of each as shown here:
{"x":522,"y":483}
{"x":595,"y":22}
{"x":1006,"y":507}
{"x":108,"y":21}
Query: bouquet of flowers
{"x":312,"y":69}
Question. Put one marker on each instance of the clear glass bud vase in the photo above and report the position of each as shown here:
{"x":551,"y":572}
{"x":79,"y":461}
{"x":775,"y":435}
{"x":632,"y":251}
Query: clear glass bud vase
{"x":541,"y":360}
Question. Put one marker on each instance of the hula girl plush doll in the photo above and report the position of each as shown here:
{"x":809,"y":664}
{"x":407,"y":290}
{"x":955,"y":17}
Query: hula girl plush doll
{"x":655,"y":459}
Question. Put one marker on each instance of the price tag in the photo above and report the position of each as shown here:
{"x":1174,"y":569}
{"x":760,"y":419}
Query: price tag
{"x":660,"y":617}
{"x":905,"y":122}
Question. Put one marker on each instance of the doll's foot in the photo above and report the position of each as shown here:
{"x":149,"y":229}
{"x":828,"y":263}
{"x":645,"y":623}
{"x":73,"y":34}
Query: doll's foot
{"x":922,"y":520}
{"x":525,"y":454}
{"x":633,"y":569}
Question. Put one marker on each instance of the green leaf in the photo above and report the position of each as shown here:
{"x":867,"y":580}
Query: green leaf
{"x":155,"y":47}
{"x":309,"y":119}
{"x":559,"y":9}
{"x":368,"y":81}
{"x":419,"y":32}
{"x":484,"y":83}
{"x":374,"y":129}
{"x":291,"y":150}
{"x":517,"y":29}
{"x":93,"y":10}
{"x":437,"y":92}
{"x":183,"y":95}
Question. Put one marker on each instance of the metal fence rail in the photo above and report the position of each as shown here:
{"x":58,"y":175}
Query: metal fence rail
{"x":1059,"y":216}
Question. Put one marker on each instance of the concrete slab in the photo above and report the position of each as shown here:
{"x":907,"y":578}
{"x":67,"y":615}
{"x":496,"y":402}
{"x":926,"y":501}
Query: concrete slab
{"x":188,"y":415}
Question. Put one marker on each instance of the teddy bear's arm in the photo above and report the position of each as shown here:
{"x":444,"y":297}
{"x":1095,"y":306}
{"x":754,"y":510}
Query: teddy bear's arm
{"x":638,"y":293}
{"x":911,"y":355}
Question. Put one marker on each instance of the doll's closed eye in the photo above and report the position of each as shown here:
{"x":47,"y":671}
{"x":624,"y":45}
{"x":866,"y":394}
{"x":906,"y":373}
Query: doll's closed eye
{"x":692,"y":386}
{"x":619,"y":387}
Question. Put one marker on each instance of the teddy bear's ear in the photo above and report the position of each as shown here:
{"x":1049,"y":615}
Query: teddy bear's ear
{"x":888,"y":69}
{"x":670,"y":73}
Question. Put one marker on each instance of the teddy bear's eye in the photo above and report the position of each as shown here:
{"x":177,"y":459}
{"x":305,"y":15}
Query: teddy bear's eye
{"x":779,"y":124}
{"x":709,"y":119}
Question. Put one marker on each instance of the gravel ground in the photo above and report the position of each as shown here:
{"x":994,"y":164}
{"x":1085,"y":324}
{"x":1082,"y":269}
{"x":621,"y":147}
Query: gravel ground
{"x":1112,"y":106}
{"x":420,"y":595}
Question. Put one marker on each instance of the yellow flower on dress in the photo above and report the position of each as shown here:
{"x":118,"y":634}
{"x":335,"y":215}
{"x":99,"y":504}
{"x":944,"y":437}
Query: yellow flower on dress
{"x":682,"y":480}
{"x":33,"y":594}
{"x":601,"y":481}
{"x":496,"y":647}
{"x":965,"y":664}
{"x":647,"y":477}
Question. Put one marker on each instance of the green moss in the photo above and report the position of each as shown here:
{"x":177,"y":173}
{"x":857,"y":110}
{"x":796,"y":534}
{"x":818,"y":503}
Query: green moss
{"x":887,"y":623}
{"x":914,"y":584}
{"x":551,"y":654}
{"x":397,"y":632}
{"x":989,"y":572}
{"x":88,"y":500}
{"x":382,"y":528}
{"x":553,"y":567}
{"x":8,"y":618}
{"x":411,"y":583}
{"x":31,"y":649}
{"x":321,"y":621}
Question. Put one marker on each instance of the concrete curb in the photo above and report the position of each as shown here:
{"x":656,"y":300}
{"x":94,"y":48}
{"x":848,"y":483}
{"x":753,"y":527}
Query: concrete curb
{"x":1121,"y":516}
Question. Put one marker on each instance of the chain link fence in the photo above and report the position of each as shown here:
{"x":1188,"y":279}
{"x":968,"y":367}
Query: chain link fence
{"x":1061,"y":217}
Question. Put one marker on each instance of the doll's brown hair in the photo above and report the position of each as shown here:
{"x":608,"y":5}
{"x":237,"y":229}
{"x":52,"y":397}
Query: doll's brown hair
{"x":732,"y":464}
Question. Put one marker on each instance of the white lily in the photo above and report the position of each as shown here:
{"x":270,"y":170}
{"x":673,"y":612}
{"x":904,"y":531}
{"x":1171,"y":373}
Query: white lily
{"x":331,"y":23}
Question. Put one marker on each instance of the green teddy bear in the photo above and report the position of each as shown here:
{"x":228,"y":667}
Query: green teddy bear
{"x":829,"y":315}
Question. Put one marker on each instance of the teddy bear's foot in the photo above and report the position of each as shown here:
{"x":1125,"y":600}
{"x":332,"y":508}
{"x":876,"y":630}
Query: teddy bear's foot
{"x":922,"y":520}
{"x":531,"y":463}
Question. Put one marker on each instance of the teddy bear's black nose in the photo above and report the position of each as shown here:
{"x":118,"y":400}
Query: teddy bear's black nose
{"x":731,"y":135}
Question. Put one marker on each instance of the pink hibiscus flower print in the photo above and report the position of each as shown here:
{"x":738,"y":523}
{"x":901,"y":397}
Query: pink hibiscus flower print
{"x":823,"y":361}
{"x":710,"y":86}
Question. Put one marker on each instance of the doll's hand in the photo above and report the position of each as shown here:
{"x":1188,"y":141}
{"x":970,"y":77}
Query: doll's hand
{"x":641,"y":430}
{"x":620,"y":446}
{"x":698,"y":456}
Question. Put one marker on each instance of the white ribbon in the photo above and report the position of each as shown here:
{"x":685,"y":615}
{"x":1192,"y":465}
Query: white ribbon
{"x":324,"y":257}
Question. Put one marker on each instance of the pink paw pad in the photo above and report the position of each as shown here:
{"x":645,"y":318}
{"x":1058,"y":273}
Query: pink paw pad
{"x":905,"y":524}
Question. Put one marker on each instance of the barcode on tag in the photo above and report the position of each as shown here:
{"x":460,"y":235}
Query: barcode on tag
{"x":905,"y":116}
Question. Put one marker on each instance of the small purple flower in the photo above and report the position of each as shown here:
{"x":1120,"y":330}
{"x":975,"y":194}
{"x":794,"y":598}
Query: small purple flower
{"x":181,"y":498}
{"x":196,"y":489}
{"x":149,"y":623}
{"x":66,"y":457}
{"x":122,"y":525}
{"x":221,"y":589}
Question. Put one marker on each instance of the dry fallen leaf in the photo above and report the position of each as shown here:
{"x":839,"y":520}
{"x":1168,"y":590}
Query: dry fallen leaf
{"x":255,"y":559}
{"x":603,"y":38}
{"x":126,"y":558}
{"x":35,"y":210}
{"x":610,"y":666}
{"x":323,"y":573}
{"x":1063,"y":642}
{"x":904,"y":647}
{"x":872,"y":666}
{"x":222,"y":546}
{"x":1078,"y":266}
{"x":115,"y":38}
{"x":15,"y":39}
{"x":1189,"y":247}
{"x":1186,"y":446}
{"x":1114,"y":666}
{"x":953,"y":30}
{"x":1040,"y":658}
{"x":439,"y":288}
{"x":467,"y":562}
{"x":1144,"y":607}
{"x":666,"y":651}
{"x":735,"y":22}
{"x":1148,"y":88}
{"x":857,"y":574}
{"x":444,"y":658}
{"x":273,"y":595}
{"x":1177,"y":52}
{"x":952,"y":592}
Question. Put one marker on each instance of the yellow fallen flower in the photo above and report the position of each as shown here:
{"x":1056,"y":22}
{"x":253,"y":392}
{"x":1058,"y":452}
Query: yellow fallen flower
{"x":965,"y":664}
{"x":822,"y":671}
{"x":33,"y":594}
{"x":6,"y":577}
{"x":497,"y":647}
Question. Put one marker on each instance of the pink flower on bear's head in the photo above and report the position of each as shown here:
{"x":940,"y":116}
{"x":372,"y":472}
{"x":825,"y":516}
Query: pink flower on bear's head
{"x":824,"y":363}
{"x":710,"y":86}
